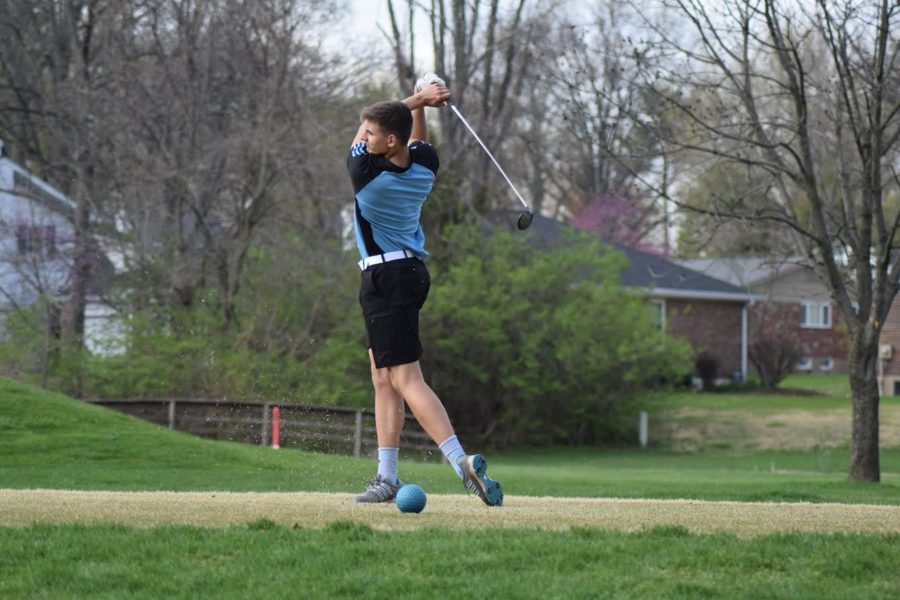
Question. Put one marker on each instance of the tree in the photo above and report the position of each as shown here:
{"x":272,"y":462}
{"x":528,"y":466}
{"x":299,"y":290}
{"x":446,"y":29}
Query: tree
{"x":596,"y":91}
{"x":57,"y":66}
{"x":187,"y":131}
{"x":216,"y":107}
{"x":774,"y":349}
{"x":486,"y":56}
{"x":616,"y":218}
{"x":808,"y":98}
{"x":703,"y":234}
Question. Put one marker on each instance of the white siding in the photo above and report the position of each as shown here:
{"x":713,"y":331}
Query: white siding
{"x":23,"y":275}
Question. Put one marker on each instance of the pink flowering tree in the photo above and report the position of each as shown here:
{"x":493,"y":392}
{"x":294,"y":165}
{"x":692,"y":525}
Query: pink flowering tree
{"x":616,"y":218}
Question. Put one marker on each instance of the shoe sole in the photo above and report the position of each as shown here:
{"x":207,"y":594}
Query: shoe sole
{"x":355,"y":500}
{"x":360,"y":498}
{"x":489,"y":490}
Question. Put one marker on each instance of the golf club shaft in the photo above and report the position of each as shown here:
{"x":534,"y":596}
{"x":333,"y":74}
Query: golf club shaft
{"x":499,"y":168}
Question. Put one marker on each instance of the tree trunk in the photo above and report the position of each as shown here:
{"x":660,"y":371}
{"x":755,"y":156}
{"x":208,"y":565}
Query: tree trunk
{"x":72,"y":322}
{"x":72,"y":318}
{"x":864,"y":459}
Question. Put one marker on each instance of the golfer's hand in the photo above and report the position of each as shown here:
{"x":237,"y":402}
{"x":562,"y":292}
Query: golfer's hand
{"x":427,"y":79}
{"x":434,"y":95}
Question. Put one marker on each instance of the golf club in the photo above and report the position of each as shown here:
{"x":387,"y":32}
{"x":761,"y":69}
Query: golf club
{"x":527,"y":216}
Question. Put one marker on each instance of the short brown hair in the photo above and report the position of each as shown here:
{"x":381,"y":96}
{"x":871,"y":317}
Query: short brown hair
{"x":392,"y":116}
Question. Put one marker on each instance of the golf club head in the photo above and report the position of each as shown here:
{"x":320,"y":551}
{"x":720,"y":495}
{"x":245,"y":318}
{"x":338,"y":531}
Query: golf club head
{"x":525,"y":219}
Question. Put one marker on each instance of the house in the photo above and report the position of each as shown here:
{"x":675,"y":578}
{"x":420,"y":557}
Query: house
{"x":888,"y":367}
{"x":711,"y":314}
{"x":795,"y":303}
{"x":36,"y":245}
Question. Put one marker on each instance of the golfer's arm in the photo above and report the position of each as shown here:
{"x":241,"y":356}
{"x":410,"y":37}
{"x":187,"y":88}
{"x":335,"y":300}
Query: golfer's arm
{"x":360,"y":134}
{"x":417,"y":105}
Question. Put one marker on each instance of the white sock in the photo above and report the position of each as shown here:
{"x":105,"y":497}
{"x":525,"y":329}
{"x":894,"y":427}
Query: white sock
{"x":453,"y":451}
{"x":387,"y":464}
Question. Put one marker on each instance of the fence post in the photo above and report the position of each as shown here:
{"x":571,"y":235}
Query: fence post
{"x":264,"y":438}
{"x":171,"y":414}
{"x":642,"y":428}
{"x":276,"y":426}
{"x":357,"y":435}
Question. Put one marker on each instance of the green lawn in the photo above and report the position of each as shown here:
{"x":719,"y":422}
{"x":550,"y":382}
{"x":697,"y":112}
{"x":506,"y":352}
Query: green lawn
{"x":50,"y":441}
{"x":832,"y":393}
{"x":834,"y":384}
{"x":347,"y":560}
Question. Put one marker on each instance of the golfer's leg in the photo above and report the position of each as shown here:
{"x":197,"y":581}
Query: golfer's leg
{"x":425,"y":405}
{"x":388,"y":407}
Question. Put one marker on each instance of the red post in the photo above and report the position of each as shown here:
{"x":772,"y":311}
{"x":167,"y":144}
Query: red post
{"x":276,"y":425}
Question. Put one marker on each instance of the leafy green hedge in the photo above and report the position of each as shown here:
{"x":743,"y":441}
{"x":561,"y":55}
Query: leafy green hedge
{"x":541,"y":346}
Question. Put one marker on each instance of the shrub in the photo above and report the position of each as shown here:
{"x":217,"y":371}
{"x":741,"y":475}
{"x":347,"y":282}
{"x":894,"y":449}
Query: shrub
{"x":528,"y":346}
{"x":774,"y":355}
{"x":707,"y":368}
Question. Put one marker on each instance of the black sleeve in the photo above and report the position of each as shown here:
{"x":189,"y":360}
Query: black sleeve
{"x":363,"y":166}
{"x":425,"y":154}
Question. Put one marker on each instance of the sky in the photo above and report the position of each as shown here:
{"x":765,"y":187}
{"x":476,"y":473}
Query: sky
{"x":366,"y":16}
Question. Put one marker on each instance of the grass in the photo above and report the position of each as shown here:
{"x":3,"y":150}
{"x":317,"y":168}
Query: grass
{"x":831,"y":384}
{"x":446,"y":511}
{"x":832,"y":393}
{"x":752,"y":421}
{"x":262,"y":559}
{"x":50,"y":441}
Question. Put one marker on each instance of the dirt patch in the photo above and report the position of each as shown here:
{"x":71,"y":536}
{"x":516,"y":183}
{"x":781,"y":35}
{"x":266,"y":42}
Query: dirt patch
{"x":694,"y":429}
{"x":315,"y":510}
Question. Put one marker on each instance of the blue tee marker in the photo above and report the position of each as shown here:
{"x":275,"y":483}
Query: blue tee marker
{"x":411,"y":498}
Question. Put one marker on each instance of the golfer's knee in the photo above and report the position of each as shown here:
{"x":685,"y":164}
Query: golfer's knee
{"x":381,"y":379}
{"x":403,"y":377}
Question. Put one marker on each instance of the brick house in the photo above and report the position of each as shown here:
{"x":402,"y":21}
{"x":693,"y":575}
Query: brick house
{"x":888,"y":367}
{"x":794,"y":303}
{"x":711,"y":314}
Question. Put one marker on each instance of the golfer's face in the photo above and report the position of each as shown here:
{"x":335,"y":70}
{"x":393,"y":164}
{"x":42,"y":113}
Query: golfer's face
{"x":376,"y":140}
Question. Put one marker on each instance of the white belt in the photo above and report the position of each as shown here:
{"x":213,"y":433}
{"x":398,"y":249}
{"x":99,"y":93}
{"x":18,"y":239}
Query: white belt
{"x":386,"y":257}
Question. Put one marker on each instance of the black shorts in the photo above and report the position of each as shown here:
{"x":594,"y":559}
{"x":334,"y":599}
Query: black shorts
{"x":391,"y":295}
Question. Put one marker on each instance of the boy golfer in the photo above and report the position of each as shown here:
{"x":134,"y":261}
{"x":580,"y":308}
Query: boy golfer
{"x":393,"y":168}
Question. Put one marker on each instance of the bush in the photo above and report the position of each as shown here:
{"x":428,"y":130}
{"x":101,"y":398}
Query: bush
{"x":29,"y":346}
{"x":707,"y":368}
{"x":774,"y":355}
{"x":529,"y":346}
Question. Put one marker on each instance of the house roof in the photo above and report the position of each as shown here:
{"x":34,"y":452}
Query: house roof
{"x":21,"y":183}
{"x":659,"y":276}
{"x":744,"y":271}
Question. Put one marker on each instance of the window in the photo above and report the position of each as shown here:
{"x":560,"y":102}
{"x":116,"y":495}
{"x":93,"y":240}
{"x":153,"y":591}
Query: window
{"x":826,"y":364}
{"x":804,"y":364}
{"x":36,"y":238}
{"x":23,"y":239}
{"x":817,"y":315}
{"x":658,"y":313}
{"x":657,"y":310}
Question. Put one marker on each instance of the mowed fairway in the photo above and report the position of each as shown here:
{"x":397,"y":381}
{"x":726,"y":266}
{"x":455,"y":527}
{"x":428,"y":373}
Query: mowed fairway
{"x":317,"y":510}
{"x":97,"y":504}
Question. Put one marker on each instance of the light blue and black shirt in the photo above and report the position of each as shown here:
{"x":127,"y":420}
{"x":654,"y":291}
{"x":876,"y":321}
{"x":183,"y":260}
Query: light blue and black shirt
{"x":389,"y":199}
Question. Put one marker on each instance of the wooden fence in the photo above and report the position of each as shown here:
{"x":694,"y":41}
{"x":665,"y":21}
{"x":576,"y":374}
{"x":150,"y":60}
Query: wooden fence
{"x":330,"y":429}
